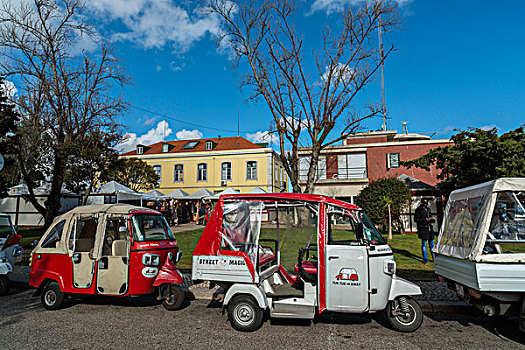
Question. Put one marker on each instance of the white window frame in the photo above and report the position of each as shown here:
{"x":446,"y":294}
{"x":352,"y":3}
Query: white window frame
{"x":165,"y":148}
{"x":140,"y":150}
{"x":389,"y":163}
{"x":204,"y":176}
{"x":175,"y":173}
{"x":250,"y":171}
{"x":223,"y":178}
{"x":209,"y":145}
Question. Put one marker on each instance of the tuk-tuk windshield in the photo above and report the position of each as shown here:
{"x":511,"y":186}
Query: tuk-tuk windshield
{"x":150,"y":227}
{"x":371,"y":232}
{"x":6,"y":229}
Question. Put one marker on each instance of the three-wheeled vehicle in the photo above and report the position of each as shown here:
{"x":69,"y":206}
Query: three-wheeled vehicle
{"x":6,"y":228}
{"x":110,"y":249}
{"x":480,"y":251}
{"x":9,"y":250}
{"x":253,"y":243}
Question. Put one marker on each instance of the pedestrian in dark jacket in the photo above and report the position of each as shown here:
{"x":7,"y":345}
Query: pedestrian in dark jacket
{"x":425,"y":232}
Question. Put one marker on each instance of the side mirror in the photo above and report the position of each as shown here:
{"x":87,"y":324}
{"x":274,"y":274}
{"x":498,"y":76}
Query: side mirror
{"x":359,"y":231}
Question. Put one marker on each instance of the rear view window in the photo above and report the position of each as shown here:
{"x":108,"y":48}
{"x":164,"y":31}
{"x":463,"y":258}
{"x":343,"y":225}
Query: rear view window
{"x":53,"y":238}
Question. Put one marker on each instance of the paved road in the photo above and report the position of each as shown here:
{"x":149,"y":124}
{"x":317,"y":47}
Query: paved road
{"x":144,"y":324}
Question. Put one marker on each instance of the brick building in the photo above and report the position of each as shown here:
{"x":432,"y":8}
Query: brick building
{"x":344,"y":170}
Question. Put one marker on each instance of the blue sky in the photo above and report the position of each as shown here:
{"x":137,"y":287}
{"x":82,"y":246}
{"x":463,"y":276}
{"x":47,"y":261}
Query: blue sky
{"x":458,"y":64}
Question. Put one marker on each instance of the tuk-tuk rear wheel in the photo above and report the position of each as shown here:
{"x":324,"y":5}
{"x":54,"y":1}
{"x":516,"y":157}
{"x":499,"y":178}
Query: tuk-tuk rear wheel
{"x":244,"y":313}
{"x":52,"y":297}
{"x":174,"y":300}
{"x":401,"y":321}
{"x":4,"y":285}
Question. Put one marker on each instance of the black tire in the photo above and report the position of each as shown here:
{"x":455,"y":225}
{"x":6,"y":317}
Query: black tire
{"x":4,"y":284}
{"x":401,"y":322}
{"x":174,"y":302}
{"x":244,"y":313}
{"x":52,"y":297}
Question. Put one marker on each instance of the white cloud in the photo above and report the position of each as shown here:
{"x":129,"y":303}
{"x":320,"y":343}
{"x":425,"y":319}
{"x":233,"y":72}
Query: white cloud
{"x":157,"y":134}
{"x":9,"y":88}
{"x":340,"y":74}
{"x":157,"y":23}
{"x":489,"y":127}
{"x":188,"y":134}
{"x":331,"y":6}
{"x":263,"y":136}
{"x":149,"y":121}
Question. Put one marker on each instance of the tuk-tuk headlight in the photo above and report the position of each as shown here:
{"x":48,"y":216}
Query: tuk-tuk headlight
{"x":17,"y":252}
{"x":389,"y":267}
{"x":150,"y":259}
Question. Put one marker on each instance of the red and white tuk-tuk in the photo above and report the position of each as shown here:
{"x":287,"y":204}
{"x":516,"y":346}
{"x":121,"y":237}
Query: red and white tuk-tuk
{"x":110,"y":249}
{"x":297,"y":255}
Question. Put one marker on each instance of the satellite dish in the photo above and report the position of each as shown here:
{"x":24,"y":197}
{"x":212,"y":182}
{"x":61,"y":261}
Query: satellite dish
{"x":1,"y":162}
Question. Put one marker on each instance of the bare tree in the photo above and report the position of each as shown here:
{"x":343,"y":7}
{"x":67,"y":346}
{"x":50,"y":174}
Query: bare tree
{"x":306,"y":94}
{"x":64,"y":92}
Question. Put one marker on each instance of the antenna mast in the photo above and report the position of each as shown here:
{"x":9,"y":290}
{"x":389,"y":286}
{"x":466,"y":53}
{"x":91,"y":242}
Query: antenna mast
{"x":381,"y":53}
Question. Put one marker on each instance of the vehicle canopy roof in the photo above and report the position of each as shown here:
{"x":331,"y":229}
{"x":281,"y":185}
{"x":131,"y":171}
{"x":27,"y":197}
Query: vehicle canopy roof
{"x":102,"y":211}
{"x":210,"y":240}
{"x":467,"y":221}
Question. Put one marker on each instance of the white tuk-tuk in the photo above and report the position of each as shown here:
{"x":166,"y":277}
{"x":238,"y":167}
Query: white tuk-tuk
{"x":481,"y":246}
{"x":342,"y":263}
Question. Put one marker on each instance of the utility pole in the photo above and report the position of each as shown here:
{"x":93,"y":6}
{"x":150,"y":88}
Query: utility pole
{"x":381,"y":53}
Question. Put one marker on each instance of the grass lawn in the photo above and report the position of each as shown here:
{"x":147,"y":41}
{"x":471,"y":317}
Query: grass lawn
{"x":29,"y":234}
{"x":407,"y":250}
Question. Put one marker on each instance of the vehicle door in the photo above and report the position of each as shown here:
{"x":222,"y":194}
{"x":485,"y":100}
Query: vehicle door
{"x":113,"y":265}
{"x":346,"y":265}
{"x":81,"y":245}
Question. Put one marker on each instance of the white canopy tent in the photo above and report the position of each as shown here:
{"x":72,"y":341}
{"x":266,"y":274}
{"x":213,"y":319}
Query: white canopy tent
{"x":216,"y":196}
{"x":202,"y":193}
{"x":257,"y":190}
{"x":176,"y":194}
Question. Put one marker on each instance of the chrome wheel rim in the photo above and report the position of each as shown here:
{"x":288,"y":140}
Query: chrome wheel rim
{"x":50,"y":298}
{"x":244,"y":314}
{"x":406,"y":319}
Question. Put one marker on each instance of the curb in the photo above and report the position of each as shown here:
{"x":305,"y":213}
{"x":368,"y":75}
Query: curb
{"x":431,"y":307}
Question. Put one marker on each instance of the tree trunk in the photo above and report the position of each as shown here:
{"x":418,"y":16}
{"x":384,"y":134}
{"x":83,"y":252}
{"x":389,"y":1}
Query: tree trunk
{"x":389,"y":223}
{"x":53,"y":201}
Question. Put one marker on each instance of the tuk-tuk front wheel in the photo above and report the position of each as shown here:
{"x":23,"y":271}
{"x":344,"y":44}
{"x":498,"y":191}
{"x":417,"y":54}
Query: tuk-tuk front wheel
{"x":244,"y":313}
{"x":404,"y":314}
{"x":4,"y":285}
{"x":173,"y":297}
{"x":52,"y":297}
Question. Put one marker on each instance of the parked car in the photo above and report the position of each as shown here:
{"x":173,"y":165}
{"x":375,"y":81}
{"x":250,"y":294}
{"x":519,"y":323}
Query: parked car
{"x":344,"y":265}
{"x":110,"y":249}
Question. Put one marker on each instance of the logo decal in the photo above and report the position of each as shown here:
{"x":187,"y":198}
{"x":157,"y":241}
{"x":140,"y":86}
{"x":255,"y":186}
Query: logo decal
{"x":347,"y":276}
{"x":150,"y":272}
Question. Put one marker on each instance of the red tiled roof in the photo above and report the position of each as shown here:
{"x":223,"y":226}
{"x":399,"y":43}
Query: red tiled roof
{"x":222,"y":144}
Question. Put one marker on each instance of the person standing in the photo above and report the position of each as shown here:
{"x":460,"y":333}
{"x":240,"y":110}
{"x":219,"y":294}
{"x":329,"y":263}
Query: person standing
{"x":425,"y":232}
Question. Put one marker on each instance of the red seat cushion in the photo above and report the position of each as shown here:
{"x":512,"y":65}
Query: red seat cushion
{"x":265,"y":258}
{"x":309,"y":266}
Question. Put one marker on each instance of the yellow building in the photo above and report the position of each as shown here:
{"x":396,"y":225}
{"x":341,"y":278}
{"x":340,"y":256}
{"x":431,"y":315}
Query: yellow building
{"x":214,"y":164}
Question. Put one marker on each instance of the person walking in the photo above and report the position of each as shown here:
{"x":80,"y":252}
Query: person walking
{"x":425,"y":232}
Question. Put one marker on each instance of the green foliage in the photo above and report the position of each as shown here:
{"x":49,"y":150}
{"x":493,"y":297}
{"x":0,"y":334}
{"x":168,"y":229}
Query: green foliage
{"x":135,"y":174}
{"x":375,"y":197}
{"x":476,"y":156}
